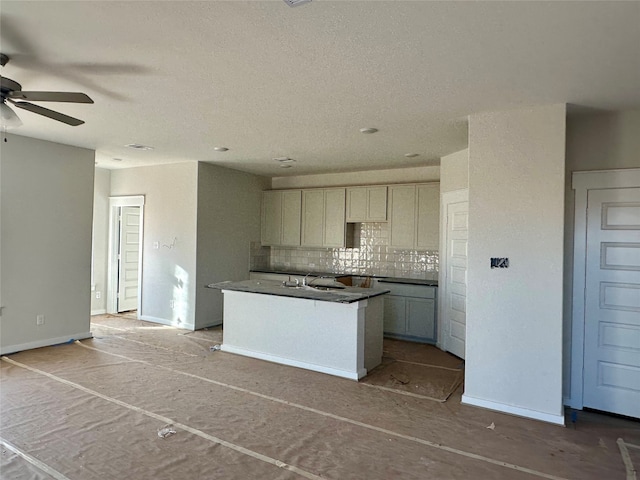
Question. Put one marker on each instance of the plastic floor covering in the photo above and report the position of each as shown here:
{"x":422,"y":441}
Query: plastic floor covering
{"x":146,"y":401}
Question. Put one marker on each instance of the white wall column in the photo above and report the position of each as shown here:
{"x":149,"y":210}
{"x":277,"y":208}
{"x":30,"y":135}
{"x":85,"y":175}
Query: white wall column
{"x":516,"y":210}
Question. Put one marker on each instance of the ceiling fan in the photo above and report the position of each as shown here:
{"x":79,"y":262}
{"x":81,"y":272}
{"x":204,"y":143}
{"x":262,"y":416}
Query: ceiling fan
{"x":11,"y":91}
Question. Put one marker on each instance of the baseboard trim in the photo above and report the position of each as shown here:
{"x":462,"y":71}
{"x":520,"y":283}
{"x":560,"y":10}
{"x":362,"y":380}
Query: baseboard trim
{"x":510,"y":409}
{"x":294,"y":363}
{"x":164,"y":321}
{"x":44,"y":343}
{"x":101,"y":311}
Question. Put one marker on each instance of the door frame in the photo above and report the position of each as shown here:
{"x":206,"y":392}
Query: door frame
{"x":446,"y":199}
{"x":582,"y":182}
{"x":114,"y":232}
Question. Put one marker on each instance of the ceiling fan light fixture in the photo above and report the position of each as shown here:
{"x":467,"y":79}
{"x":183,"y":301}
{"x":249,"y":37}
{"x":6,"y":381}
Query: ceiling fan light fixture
{"x":9,"y":117}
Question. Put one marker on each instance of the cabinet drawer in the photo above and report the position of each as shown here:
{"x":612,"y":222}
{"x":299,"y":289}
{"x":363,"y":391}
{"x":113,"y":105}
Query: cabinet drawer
{"x":404,"y":290}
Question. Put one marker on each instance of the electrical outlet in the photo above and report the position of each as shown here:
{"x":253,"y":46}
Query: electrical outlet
{"x":172,"y":303}
{"x":156,"y":245}
{"x":39,"y":319}
{"x":98,"y":294}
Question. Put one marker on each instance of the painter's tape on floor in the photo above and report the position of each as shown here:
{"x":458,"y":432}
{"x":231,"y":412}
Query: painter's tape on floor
{"x":626,"y":458}
{"x":427,"y":365}
{"x":401,"y":392}
{"x":339,"y":418}
{"x":32,"y":460}
{"x":166,"y":420}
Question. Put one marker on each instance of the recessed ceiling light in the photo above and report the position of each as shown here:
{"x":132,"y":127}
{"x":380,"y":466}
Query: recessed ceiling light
{"x":411,"y":155}
{"x":368,"y":130}
{"x":117,"y":159}
{"x":295,"y":3}
{"x":138,"y":146}
{"x":285,"y":165}
{"x":284,"y":160}
{"x":220,"y":149}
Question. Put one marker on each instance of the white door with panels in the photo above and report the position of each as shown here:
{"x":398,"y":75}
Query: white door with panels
{"x":454,"y":308}
{"x":128,"y":258}
{"x":612,"y":302}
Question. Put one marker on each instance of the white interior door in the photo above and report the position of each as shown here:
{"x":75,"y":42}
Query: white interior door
{"x":128,"y":256}
{"x":455,"y":288}
{"x":612,"y":302}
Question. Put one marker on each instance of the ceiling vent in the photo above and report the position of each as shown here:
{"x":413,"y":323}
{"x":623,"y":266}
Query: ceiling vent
{"x":295,"y":3}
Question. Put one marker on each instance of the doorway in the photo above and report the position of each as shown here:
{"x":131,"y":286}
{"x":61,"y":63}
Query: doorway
{"x":453,"y":267}
{"x":124,"y":290}
{"x":606,"y":299}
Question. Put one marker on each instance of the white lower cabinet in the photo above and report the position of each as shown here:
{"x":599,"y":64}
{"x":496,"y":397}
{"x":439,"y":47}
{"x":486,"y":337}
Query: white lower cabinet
{"x":410,"y":312}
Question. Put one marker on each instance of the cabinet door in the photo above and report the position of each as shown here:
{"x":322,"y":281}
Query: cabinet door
{"x":402,"y":216}
{"x":376,"y":204}
{"x":271,"y":218}
{"x":428,"y":216}
{"x":395,"y":317}
{"x":313,"y":218}
{"x":421,"y":318}
{"x":357,"y":204}
{"x":334,"y":217}
{"x":291,"y":217}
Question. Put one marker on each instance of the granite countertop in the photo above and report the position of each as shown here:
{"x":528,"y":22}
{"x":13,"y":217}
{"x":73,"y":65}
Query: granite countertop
{"x":410,"y":281}
{"x":273,"y":287}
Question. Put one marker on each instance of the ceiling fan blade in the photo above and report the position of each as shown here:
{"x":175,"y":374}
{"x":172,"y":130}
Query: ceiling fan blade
{"x":60,"y":117}
{"x":72,"y":97}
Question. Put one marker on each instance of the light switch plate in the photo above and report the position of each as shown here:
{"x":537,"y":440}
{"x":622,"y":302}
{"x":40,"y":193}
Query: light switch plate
{"x":499,"y":262}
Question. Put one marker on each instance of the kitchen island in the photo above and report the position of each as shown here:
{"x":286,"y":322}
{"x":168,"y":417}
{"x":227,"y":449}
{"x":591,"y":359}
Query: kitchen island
{"x":338,"y":332}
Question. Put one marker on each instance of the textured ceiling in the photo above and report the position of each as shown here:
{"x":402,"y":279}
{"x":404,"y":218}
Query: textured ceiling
{"x":267,"y":80}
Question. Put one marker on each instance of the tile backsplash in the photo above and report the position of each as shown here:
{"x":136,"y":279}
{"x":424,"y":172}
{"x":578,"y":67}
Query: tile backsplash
{"x":371,"y":255}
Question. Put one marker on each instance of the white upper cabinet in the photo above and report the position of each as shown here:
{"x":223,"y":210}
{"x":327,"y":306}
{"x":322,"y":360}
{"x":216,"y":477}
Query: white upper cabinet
{"x":334,"y":218}
{"x":291,"y":217}
{"x":402,"y":216}
{"x":312,"y":218}
{"x":318,"y":217}
{"x":414,"y":212}
{"x":281,"y":210}
{"x":367,"y":204}
{"x":428,"y":217}
{"x":323,"y":217}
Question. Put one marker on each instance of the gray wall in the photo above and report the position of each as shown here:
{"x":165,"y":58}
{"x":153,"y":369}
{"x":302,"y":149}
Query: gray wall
{"x":516,"y":210}
{"x":228,"y":221}
{"x":46,"y":193}
{"x":168,"y":272}
{"x":101,"y":189}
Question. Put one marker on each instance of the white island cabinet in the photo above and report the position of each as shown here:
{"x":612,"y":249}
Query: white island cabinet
{"x":338,"y":333}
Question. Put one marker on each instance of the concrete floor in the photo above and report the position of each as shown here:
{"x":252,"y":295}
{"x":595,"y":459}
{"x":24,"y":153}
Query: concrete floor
{"x":93,"y":410}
